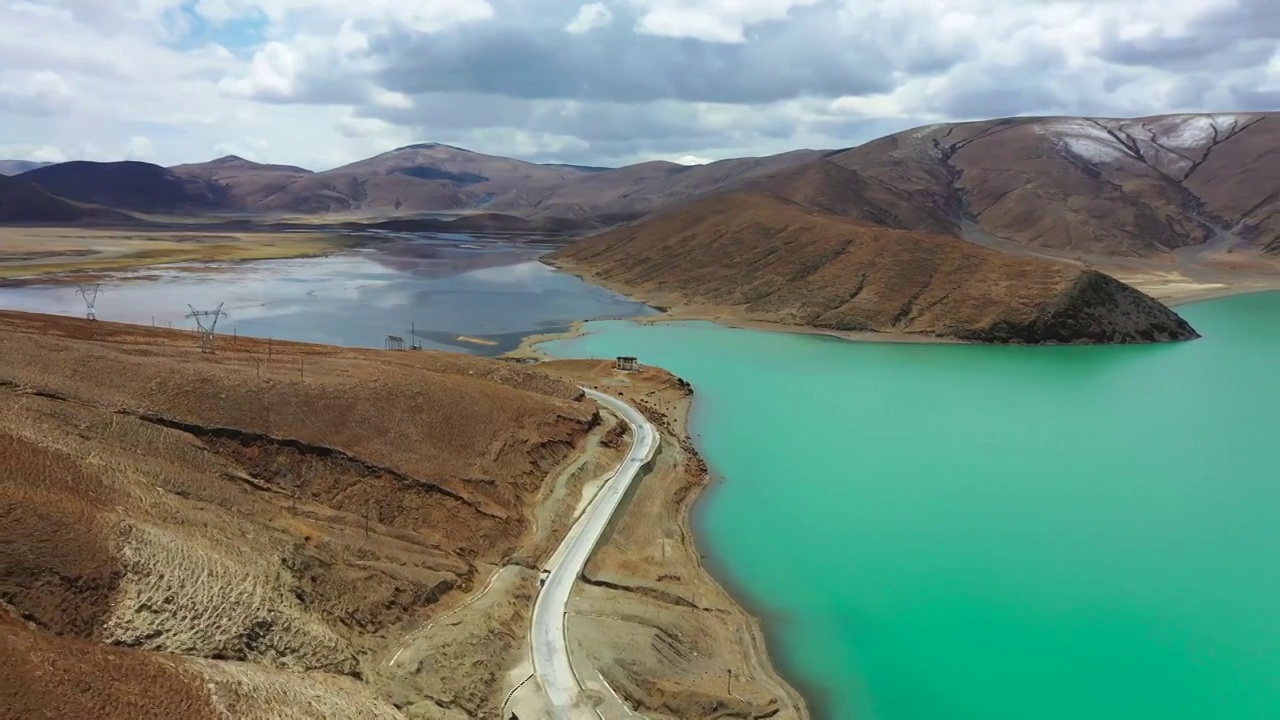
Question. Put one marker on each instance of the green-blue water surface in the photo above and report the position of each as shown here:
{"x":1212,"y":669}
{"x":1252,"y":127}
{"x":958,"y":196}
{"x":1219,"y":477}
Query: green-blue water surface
{"x":937,"y":532}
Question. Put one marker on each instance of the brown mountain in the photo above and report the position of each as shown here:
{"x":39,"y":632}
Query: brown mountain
{"x":23,"y":203}
{"x":464,"y":168}
{"x":17,"y":167}
{"x":479,"y":223}
{"x":760,"y":256}
{"x":344,"y":192}
{"x":1060,"y":186}
{"x":630,"y":192}
{"x":129,"y":185}
{"x":836,"y":190}
{"x":243,"y":183}
{"x":1092,"y":185}
{"x":415,"y":178}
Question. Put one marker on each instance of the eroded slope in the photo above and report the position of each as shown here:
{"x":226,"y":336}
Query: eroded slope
{"x":1104,"y":186}
{"x":257,"y":531}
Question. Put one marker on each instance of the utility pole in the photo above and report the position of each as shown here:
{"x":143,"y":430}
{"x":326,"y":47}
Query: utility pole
{"x":90,"y":296}
{"x":206,"y":325}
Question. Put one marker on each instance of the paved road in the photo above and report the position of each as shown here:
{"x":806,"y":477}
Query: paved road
{"x":550,"y":647}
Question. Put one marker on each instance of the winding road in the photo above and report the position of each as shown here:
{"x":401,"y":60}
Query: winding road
{"x":551,"y":662}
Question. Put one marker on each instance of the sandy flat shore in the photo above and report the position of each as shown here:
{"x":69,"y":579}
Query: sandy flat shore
{"x":33,"y":253}
{"x":1175,"y":288}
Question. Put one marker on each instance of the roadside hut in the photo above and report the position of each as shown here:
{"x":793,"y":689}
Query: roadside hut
{"x":627,"y":362}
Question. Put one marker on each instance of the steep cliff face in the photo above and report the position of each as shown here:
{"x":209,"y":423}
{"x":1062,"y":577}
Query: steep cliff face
{"x":758,"y":256}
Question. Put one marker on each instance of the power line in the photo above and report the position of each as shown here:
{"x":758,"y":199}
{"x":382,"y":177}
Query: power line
{"x":90,"y":297}
{"x":206,"y":325}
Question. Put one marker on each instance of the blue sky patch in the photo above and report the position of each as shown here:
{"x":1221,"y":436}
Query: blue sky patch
{"x":238,"y":35}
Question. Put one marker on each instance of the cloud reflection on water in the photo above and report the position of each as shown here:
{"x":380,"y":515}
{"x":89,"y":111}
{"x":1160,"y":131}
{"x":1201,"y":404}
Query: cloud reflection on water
{"x":491,"y":289}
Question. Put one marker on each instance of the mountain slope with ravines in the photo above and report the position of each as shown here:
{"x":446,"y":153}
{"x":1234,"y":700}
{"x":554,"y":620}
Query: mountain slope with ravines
{"x":1139,"y":187}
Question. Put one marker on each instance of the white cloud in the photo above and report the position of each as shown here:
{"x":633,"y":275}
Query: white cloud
{"x":139,"y":148}
{"x":37,"y":93}
{"x":41,"y":153}
{"x":272,"y":75}
{"x":220,"y":12}
{"x":711,"y":20}
{"x":589,"y":17}
{"x":697,"y":79}
{"x":390,"y":99}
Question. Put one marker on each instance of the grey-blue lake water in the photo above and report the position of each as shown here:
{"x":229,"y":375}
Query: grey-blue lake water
{"x":454,"y":290}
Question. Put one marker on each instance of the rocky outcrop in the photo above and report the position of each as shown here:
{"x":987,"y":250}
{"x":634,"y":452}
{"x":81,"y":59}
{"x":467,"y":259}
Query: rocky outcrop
{"x":1095,"y":308}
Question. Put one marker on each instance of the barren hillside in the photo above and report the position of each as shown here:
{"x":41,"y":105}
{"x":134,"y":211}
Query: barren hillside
{"x":128,"y":186}
{"x":166,"y":514}
{"x":243,"y":184}
{"x":836,"y":190}
{"x":630,"y":192}
{"x":414,"y":178}
{"x":1094,"y":185}
{"x":24,"y":203}
{"x":756,"y":255}
{"x":339,"y":191}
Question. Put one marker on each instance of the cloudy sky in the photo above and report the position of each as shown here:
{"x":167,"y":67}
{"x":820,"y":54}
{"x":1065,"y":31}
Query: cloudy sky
{"x":320,"y":83}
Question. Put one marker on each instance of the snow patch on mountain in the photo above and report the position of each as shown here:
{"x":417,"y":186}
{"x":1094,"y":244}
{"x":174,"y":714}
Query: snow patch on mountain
{"x":1085,"y":139}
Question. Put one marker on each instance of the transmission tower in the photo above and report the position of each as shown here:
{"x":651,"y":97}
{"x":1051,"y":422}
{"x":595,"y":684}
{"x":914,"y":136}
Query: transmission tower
{"x":206,"y":324}
{"x":90,"y":296}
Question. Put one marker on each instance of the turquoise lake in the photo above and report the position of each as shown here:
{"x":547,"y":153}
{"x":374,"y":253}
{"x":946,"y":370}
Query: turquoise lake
{"x":956,"y":532}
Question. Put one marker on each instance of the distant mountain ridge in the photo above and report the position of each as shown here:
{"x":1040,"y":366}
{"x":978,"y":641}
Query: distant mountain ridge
{"x":128,"y":185}
{"x":242,"y":184}
{"x":17,"y":167}
{"x":23,"y":203}
{"x":1068,"y":186}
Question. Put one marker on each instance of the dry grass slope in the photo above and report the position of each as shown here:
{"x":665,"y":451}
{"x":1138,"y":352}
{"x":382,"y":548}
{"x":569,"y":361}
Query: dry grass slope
{"x":768,"y":258}
{"x":47,"y":676}
{"x":226,"y":519}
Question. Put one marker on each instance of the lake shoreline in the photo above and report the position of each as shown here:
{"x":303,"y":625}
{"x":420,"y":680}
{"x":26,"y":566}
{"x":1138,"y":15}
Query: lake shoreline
{"x":783,"y":622}
{"x":672,"y":492}
{"x":1170,"y":294}
{"x":764,"y":621}
{"x":816,"y":697}
{"x":53,"y":255}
